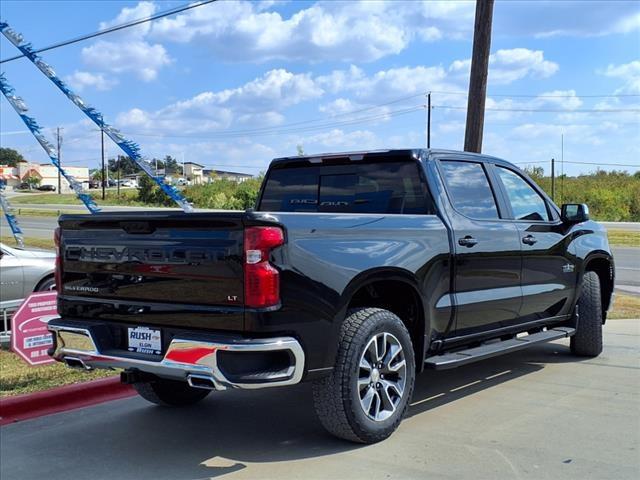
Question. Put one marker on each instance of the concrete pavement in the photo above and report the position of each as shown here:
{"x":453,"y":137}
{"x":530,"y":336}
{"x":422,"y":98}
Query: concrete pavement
{"x":536,"y":414}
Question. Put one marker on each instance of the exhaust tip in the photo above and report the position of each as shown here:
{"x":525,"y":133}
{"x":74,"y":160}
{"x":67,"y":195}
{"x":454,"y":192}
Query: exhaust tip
{"x":72,"y":362}
{"x":201,"y":381}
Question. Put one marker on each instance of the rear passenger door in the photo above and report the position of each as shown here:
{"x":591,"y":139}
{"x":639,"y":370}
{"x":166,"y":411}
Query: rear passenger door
{"x":548,"y":266}
{"x":487,"y":250}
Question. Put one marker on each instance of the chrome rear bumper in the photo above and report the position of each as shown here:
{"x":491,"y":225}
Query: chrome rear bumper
{"x":193,"y":361}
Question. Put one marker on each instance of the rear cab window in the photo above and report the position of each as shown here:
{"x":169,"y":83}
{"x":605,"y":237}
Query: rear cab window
{"x":393,"y":187}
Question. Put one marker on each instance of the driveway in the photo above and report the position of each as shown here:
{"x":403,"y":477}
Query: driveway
{"x":535,"y":414}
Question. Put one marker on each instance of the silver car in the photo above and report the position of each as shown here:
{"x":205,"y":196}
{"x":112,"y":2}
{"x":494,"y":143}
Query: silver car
{"x":25,"y":271}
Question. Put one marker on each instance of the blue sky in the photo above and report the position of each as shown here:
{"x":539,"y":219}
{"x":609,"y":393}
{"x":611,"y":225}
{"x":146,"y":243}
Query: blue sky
{"x":234,"y":84}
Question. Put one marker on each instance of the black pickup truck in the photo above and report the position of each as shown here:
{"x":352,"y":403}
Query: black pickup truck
{"x":355,"y":272}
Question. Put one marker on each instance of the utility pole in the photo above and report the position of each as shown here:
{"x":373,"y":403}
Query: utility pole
{"x":429,"y":120}
{"x":553,"y":179}
{"x":478,"y":77}
{"x":103,"y":178}
{"x":118,"y":184}
{"x":561,"y":168}
{"x":59,"y":141}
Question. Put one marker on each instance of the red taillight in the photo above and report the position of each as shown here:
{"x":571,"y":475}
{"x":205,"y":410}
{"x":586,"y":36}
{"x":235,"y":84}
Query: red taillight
{"x":261,"y":279}
{"x":58,"y":269}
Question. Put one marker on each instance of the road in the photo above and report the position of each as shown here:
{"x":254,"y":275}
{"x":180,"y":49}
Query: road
{"x":627,"y":269}
{"x":539,"y":413}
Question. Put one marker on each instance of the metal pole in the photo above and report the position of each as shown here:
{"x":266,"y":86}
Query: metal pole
{"x":59,"y":160}
{"x":103,"y":179}
{"x":119,"y":156}
{"x":553,"y":179}
{"x":429,"y":120}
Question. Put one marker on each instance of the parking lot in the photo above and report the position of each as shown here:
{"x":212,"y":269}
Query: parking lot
{"x":537,"y":414}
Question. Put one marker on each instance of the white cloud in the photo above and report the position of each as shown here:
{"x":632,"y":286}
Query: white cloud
{"x":508,"y":65}
{"x":255,"y":102}
{"x":341,"y":140}
{"x":137,"y":57}
{"x":629,"y":73}
{"x":79,"y":80}
{"x":127,"y":51}
{"x":337,"y":106}
{"x":384,"y":84}
{"x":346,"y":31}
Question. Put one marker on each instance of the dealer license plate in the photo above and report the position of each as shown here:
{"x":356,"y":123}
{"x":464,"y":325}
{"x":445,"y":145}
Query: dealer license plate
{"x":144,"y":340}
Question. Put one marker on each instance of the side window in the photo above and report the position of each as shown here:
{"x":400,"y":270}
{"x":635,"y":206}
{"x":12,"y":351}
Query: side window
{"x":526,"y":203}
{"x":469,"y":189}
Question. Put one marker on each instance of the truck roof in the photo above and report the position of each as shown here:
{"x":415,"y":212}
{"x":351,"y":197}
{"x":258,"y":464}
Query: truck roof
{"x":424,"y":153}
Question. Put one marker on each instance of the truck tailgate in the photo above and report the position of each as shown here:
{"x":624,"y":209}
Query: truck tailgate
{"x":154,"y":267}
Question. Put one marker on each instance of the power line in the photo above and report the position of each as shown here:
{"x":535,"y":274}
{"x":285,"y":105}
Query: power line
{"x":548,"y":110}
{"x":115,"y":28}
{"x":515,"y":95}
{"x":284,"y":131}
{"x":583,"y":163}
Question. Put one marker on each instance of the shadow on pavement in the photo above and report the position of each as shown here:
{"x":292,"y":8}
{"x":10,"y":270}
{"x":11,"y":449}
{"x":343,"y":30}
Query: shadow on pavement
{"x":133,"y":439}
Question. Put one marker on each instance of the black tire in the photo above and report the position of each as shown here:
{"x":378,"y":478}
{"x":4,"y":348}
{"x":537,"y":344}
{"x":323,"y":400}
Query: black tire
{"x":337,"y":398}
{"x":170,"y":393}
{"x":45,"y":285}
{"x":587,"y":340}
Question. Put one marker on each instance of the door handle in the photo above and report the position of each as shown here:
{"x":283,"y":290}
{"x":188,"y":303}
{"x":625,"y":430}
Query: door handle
{"x":467,"y":241}
{"x":529,"y":240}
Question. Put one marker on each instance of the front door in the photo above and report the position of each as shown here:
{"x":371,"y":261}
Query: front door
{"x":548,"y":268}
{"x":487,"y":257}
{"x":11,"y":277}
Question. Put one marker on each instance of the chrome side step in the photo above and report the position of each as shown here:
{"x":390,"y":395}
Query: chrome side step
{"x":462,"y":357}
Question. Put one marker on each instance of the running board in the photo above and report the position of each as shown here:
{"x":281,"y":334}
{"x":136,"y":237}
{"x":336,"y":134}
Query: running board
{"x":462,"y":357}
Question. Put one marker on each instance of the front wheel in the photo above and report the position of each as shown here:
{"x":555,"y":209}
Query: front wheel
{"x":367,"y":394}
{"x":587,"y":340}
{"x":170,"y":393}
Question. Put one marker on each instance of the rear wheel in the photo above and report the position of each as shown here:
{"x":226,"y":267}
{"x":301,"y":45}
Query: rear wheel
{"x":46,"y":285}
{"x":170,"y":393}
{"x":587,"y":340}
{"x":368,"y":392}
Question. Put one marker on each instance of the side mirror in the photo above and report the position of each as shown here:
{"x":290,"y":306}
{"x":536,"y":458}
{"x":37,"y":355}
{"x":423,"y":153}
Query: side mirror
{"x":574,"y":213}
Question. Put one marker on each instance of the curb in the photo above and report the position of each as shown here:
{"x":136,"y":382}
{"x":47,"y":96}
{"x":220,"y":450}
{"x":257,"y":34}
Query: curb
{"x":62,"y":399}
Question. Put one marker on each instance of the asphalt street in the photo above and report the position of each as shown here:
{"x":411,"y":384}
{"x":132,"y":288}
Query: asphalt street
{"x":536,"y":414}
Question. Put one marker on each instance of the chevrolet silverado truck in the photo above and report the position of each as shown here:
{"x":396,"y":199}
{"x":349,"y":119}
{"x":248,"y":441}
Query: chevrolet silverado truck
{"x":354,"y":272}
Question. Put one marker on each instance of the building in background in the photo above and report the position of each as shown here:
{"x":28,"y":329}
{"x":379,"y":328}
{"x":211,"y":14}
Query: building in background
{"x":213,"y":175}
{"x":193,"y":172}
{"x":46,"y":174}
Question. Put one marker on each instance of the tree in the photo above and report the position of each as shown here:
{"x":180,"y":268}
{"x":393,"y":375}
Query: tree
{"x":10,"y":157}
{"x":126,"y":165}
{"x":150,"y":193}
{"x":96,"y":174}
{"x":171,"y":165}
{"x":300,"y":150}
{"x":33,"y":181}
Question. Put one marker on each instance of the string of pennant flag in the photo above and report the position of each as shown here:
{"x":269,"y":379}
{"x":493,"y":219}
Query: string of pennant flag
{"x":129,"y":147}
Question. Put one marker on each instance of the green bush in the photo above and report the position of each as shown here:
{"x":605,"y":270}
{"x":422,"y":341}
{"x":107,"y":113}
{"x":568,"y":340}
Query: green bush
{"x":224,"y":194}
{"x":611,"y":196}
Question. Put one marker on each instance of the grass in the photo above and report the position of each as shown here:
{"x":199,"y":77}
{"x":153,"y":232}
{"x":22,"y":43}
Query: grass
{"x":625,"y":306}
{"x":17,"y":377}
{"x":624,"y":238}
{"x":44,"y":243}
{"x":128,"y":197}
